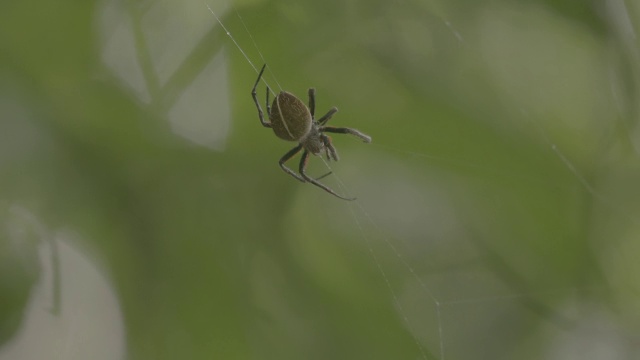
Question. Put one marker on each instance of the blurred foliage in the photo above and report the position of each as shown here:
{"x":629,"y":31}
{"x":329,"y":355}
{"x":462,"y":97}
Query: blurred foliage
{"x":498,"y":204}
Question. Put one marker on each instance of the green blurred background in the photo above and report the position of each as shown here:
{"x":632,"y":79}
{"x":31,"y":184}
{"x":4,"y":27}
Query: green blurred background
{"x":144,"y":215}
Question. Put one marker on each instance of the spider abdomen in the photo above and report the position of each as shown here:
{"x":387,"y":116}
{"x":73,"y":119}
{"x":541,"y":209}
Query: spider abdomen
{"x":290,"y":117}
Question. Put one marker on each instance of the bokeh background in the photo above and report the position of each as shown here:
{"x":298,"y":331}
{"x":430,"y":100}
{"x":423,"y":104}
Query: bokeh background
{"x":144,"y":216}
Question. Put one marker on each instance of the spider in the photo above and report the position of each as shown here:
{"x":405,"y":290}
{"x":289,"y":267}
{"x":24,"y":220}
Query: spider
{"x":292,"y":120}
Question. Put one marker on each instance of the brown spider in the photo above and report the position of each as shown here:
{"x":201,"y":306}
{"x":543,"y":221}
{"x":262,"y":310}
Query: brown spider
{"x":291,"y":120}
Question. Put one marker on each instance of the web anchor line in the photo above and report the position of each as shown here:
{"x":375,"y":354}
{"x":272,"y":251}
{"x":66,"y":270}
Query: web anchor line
{"x":240,"y":48}
{"x":257,"y":48}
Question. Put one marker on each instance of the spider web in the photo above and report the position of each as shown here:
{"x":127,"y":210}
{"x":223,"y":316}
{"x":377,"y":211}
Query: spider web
{"x":464,"y":305}
{"x":497,"y":205}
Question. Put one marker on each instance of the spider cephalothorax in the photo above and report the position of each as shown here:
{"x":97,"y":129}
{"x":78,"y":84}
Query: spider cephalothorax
{"x":292,"y":120}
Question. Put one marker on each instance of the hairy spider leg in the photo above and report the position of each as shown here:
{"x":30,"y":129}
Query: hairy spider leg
{"x":267,"y":102}
{"x":255,"y":99}
{"x":303,"y":165}
{"x":323,"y":120}
{"x":354,"y":132}
{"x":312,"y":102}
{"x":330,"y":150}
{"x":291,"y":153}
{"x":324,"y":176}
{"x":312,"y":110}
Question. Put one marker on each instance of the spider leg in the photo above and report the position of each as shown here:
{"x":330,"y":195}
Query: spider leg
{"x":303,"y":165}
{"x":323,"y":120}
{"x":291,"y":153}
{"x":312,"y":102}
{"x":255,"y":99}
{"x":325,"y":175}
{"x":329,"y":148}
{"x":354,"y":132}
{"x":267,"y":101}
